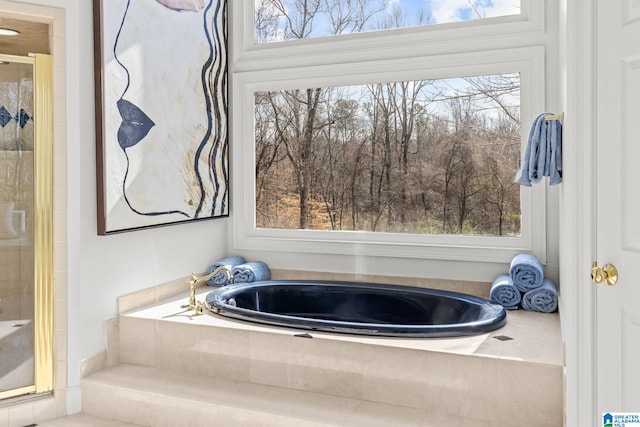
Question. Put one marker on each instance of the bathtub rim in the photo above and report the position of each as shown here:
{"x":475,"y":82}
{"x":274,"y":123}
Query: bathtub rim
{"x":215,"y":304}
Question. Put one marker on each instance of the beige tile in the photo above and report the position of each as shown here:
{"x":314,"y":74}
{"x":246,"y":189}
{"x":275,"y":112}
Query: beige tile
{"x":60,"y":302}
{"x":61,"y":345}
{"x":438,"y":419}
{"x":44,"y":409}
{"x":264,"y":399}
{"x":463,"y":385}
{"x":94,"y":396}
{"x":333,"y":367}
{"x":112,"y":337}
{"x":177,"y":346}
{"x":79,"y":420}
{"x":93,"y":364}
{"x":4,"y":416}
{"x":369,"y":414}
{"x":392,"y":280}
{"x":245,"y":418}
{"x":395,"y":376}
{"x":482,"y":398}
{"x":535,"y":337}
{"x":60,"y":318}
{"x":58,"y":23}
{"x":480,"y":289}
{"x":101,"y":422}
{"x":215,"y":390}
{"x":125,"y":404}
{"x":60,"y":153}
{"x":534,"y":392}
{"x":224,"y":353}
{"x":60,"y":370}
{"x":294,"y":422}
{"x":135,"y":300}
{"x":442,"y":284}
{"x":276,"y":359}
{"x":323,"y":409}
{"x":137,"y":341}
{"x":21,"y":415}
{"x":61,"y":402}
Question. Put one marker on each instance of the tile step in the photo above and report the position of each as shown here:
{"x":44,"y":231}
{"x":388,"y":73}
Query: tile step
{"x":158,"y":397}
{"x":470,"y":377}
{"x":85,"y":420}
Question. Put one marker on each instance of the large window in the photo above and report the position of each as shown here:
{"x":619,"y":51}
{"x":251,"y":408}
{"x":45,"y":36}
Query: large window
{"x":426,"y":157}
{"x":387,"y":144}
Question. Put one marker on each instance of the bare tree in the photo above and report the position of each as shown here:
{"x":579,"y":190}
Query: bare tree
{"x":299,"y":21}
{"x":352,"y":16}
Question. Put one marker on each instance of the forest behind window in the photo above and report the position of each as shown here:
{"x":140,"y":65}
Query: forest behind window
{"x":423,"y":157}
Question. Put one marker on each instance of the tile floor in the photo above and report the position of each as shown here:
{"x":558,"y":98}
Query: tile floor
{"x":83,"y":420}
{"x":433,"y":420}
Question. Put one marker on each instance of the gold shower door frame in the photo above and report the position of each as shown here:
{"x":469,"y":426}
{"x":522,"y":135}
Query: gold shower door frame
{"x":43,"y":224}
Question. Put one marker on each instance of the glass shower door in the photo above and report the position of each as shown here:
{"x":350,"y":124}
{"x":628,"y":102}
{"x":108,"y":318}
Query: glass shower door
{"x":21,"y":216}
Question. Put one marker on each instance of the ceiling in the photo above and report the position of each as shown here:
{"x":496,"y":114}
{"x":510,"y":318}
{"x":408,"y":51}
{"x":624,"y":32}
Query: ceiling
{"x":33,"y":37}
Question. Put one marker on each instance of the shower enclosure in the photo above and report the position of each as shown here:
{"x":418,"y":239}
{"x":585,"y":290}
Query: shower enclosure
{"x":26,"y":327}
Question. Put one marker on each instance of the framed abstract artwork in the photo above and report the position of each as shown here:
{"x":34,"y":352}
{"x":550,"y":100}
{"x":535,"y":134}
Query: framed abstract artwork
{"x":162,"y":150}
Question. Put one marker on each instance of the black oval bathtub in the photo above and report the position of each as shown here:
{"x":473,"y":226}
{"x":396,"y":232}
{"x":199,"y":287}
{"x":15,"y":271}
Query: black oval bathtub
{"x":358,"y":308}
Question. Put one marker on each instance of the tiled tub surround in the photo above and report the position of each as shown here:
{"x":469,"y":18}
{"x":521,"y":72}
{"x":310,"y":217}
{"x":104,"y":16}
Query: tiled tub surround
{"x":482,"y":379}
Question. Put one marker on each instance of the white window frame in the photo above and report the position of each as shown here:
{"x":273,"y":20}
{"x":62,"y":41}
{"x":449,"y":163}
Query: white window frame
{"x":397,"y":55}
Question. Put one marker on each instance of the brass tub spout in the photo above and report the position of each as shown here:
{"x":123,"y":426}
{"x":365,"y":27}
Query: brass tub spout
{"x":194,"y":280}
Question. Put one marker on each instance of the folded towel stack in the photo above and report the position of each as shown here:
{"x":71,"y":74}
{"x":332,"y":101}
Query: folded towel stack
{"x":543,"y":154}
{"x":543,"y":299}
{"x":222,"y":278}
{"x":526,"y":271}
{"x":525,"y":286}
{"x":251,"y":272}
{"x":504,"y":292}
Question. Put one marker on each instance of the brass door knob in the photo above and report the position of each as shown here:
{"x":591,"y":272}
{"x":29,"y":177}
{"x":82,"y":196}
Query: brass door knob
{"x":608,"y":274}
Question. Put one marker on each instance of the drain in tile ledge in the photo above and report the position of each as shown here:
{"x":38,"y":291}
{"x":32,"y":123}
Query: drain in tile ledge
{"x":503,"y":338}
{"x":305,"y":335}
{"x":31,"y":425}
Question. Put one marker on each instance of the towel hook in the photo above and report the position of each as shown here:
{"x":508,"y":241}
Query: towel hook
{"x":555,"y":117}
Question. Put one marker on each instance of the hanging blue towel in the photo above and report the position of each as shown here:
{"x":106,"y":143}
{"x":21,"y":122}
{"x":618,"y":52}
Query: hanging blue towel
{"x":543,"y":299}
{"x":543,"y":154}
{"x":526,"y":271}
{"x":503,"y":292}
{"x":251,"y":272}
{"x":222,"y":278}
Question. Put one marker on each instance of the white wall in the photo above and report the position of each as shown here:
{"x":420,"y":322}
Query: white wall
{"x":102,"y":268}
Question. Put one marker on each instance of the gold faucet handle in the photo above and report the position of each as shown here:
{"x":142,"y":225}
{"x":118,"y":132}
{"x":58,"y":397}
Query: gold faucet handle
{"x":198,"y":309}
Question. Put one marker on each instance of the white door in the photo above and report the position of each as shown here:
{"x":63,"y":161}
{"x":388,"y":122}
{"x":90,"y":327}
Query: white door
{"x":618,"y":204}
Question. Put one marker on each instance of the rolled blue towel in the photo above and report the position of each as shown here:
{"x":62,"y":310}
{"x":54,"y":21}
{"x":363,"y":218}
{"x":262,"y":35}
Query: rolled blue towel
{"x":503,"y":292}
{"x":527,"y":272}
{"x":251,"y":272}
{"x":222,"y":278}
{"x":543,"y":299}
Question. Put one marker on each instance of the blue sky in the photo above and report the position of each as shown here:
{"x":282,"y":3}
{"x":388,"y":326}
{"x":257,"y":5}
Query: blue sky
{"x":443,"y":11}
{"x":437,"y":11}
{"x":434,"y":12}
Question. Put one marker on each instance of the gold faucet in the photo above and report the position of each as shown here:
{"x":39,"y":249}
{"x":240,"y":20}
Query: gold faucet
{"x":197,"y":305}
